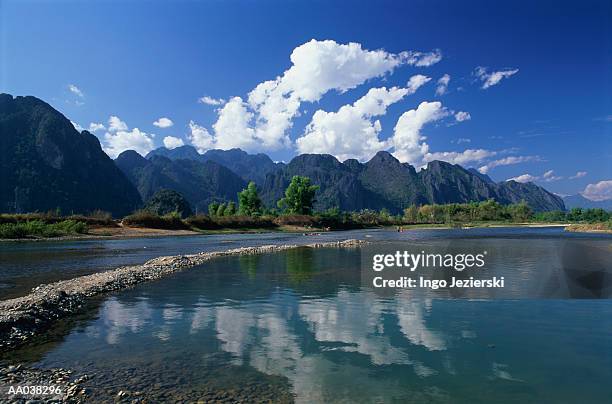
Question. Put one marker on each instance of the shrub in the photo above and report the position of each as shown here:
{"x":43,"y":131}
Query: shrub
{"x":143,"y":218}
{"x":297,"y":220}
{"x":368,"y":217}
{"x":166,"y":201}
{"x":94,"y":220}
{"x":334,"y":219}
{"x":205,"y":222}
{"x":97,"y":218}
{"x":38,"y":228}
{"x":202,"y":222}
{"x":242,"y":222}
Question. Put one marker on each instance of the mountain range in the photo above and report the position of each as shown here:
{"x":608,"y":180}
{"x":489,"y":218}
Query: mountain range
{"x":250,"y":167}
{"x":579,"y":201}
{"x":200,"y":182}
{"x":382,"y":182}
{"x":49,"y":164}
{"x":45,"y":164}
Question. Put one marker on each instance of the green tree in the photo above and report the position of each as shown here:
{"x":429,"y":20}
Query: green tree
{"x":425,"y":214}
{"x":221,"y":209}
{"x":490,"y":210}
{"x":385,"y":215}
{"x":411,"y":214}
{"x":166,"y":201}
{"x":230,"y":210}
{"x":212,"y":208}
{"x":575,"y":215}
{"x":552,"y":216}
{"x":595,"y":215}
{"x":299,"y":196}
{"x":248,"y":200}
{"x":520,"y":212}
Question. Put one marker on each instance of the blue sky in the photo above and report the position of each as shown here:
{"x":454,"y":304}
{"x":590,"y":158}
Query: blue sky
{"x":141,"y":61}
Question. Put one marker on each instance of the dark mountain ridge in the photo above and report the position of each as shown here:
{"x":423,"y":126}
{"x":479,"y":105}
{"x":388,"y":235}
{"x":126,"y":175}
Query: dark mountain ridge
{"x":47,"y":164}
{"x":250,"y":167}
{"x":384,"y":182}
{"x":579,"y":201}
{"x":200,"y":182}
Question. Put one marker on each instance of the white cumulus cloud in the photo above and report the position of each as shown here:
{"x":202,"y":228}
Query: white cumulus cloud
{"x":199,"y":137}
{"x":523,"y":178}
{"x":232,"y":128}
{"x":442,"y":86}
{"x":115,"y":124}
{"x":410,"y":146}
{"x":549,"y":176}
{"x":422,"y":59}
{"x":600,"y":191}
{"x":119,"y":138}
{"x":317,"y":67}
{"x":408,"y":143}
{"x":163,"y":123}
{"x":76,"y":91}
{"x":461,"y":158}
{"x":506,"y":161}
{"x":94,"y":127}
{"x":489,"y":78}
{"x":462,"y":116}
{"x":120,"y":141}
{"x":351,"y":132}
{"x":171,"y":142}
{"x":211,"y":101}
{"x":415,"y":82}
{"x":579,"y":174}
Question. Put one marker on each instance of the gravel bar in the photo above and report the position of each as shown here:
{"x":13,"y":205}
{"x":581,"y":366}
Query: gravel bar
{"x":24,"y":317}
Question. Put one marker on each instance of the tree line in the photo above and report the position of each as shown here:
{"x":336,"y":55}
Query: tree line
{"x":170,"y":210}
{"x":299,"y":200}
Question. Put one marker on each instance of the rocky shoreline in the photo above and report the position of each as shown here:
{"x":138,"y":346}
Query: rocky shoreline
{"x":60,"y":385}
{"x":25,"y":317}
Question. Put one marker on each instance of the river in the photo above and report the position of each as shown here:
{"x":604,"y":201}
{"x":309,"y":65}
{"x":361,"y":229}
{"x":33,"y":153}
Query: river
{"x":303,"y":326}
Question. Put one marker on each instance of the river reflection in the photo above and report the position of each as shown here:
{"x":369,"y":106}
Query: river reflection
{"x":302,"y":322}
{"x":24,"y":265}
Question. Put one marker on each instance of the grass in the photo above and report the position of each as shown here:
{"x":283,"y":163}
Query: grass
{"x":237,"y":222}
{"x":143,"y":218}
{"x":605,"y":227}
{"x":38,"y":228}
{"x":50,"y":224}
{"x":97,"y":218}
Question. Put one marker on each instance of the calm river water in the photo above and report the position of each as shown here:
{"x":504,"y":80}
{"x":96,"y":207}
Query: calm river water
{"x":303,"y":326}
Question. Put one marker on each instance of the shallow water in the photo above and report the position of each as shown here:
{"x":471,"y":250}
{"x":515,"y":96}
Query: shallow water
{"x":24,"y":265}
{"x":301,"y":326}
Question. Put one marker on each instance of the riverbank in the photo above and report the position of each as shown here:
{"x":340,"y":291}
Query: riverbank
{"x":57,"y":385}
{"x":23,"y":318}
{"x":605,"y":227}
{"x":127,"y":232}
